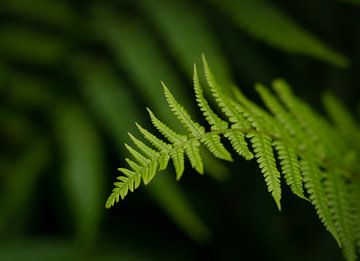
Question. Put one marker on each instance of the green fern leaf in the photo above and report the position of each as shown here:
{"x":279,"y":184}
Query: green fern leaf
{"x":108,"y":97}
{"x":290,"y":168}
{"x":309,"y":151}
{"x":215,"y":122}
{"x":149,"y":152}
{"x":304,"y":117}
{"x":168,"y":133}
{"x":221,"y":99}
{"x":177,"y":156}
{"x":340,"y":207}
{"x":326,"y":141}
{"x":261,"y":143}
{"x":238,"y":121}
{"x":314,"y":186}
{"x":212,"y":141}
{"x":193,"y":152}
{"x":238,"y":142}
{"x":149,"y":167}
{"x":163,"y":147}
{"x":193,"y":127}
{"x":265,"y":158}
{"x":138,"y":156}
{"x":155,"y":141}
{"x":134,"y":166}
{"x":280,"y":112}
{"x":258,"y":118}
{"x":133,"y":179}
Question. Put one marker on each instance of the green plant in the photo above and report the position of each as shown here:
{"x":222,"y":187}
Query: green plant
{"x":318,"y":160}
{"x":69,"y":71}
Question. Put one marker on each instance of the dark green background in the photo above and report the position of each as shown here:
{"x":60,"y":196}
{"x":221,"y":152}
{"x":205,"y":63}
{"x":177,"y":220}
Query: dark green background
{"x":76,"y":75}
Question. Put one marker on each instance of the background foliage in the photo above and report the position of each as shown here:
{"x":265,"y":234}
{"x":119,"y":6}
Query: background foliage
{"x":75,"y":75}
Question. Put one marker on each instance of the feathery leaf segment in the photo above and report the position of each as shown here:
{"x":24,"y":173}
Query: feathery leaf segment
{"x":316,"y":159}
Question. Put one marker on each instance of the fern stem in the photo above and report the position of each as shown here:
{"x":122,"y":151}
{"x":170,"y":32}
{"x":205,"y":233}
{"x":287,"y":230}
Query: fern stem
{"x":348,"y":173}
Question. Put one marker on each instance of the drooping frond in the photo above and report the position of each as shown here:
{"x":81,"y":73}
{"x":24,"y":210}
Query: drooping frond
{"x":290,"y":165}
{"x":324,"y":140}
{"x":102,"y":87}
{"x":342,"y":213}
{"x":265,"y":21}
{"x":313,"y":179}
{"x":265,"y":157}
{"x":314,"y":162}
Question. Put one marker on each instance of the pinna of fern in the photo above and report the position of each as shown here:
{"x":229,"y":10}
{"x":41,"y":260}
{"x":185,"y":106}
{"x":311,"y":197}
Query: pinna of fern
{"x":308,"y":149}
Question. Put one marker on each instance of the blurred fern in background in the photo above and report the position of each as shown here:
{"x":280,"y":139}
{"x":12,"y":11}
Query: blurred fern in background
{"x":75,"y":75}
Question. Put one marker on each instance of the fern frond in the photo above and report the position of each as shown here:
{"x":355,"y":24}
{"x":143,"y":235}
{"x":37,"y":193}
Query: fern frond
{"x":306,"y":147}
{"x":261,"y":143}
{"x":163,"y":147}
{"x":280,"y":113}
{"x":313,"y":180}
{"x":193,"y":127}
{"x":102,"y":87}
{"x":133,"y":178}
{"x":193,"y":152}
{"x":155,"y":141}
{"x":168,"y":133}
{"x":265,"y":158}
{"x":340,"y":207}
{"x":268,"y":23}
{"x":212,"y":141}
{"x":260,"y":119}
{"x":177,"y":156}
{"x":320,"y":132}
{"x":130,"y":181}
{"x":138,"y":156}
{"x":290,"y":168}
{"x":125,"y":37}
{"x":215,"y":122}
{"x":238,"y":121}
{"x":149,"y":152}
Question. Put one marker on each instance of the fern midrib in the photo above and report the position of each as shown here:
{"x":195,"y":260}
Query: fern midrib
{"x":322,"y":163}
